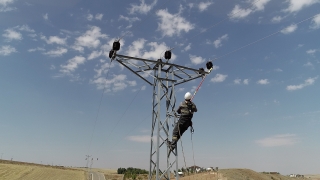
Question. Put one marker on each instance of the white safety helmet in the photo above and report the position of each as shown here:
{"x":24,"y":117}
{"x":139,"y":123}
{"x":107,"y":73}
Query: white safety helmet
{"x":187,"y":96}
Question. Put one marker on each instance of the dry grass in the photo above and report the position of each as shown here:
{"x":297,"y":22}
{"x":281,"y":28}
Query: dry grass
{"x":26,"y":171}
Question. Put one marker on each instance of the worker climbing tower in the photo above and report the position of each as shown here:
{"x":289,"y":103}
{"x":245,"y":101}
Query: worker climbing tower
{"x":163,"y":76}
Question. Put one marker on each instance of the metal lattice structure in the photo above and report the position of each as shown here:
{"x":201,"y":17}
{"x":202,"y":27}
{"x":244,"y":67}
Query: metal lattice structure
{"x":163,"y":77}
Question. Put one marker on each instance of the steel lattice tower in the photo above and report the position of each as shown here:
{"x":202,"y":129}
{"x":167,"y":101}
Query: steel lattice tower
{"x":163,"y":77}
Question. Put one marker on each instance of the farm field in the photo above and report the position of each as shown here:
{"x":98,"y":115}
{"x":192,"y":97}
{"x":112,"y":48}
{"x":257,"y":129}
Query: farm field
{"x":17,"y":171}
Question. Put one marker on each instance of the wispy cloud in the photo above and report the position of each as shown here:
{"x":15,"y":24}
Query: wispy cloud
{"x":315,"y":22}
{"x":89,"y":17}
{"x":218,"y":43}
{"x":289,"y":29}
{"x":72,"y":64}
{"x":4,"y":5}
{"x":278,"y":140}
{"x":143,"y":8}
{"x":278,"y":70}
{"x":307,"y":82}
{"x":11,"y":34}
{"x":219,"y":78}
{"x":117,"y":83}
{"x":204,"y":6}
{"x":56,"y":52}
{"x":240,"y":13}
{"x":311,"y":51}
{"x":263,"y":81}
{"x":99,"y":17}
{"x":7,"y":50}
{"x":172,"y":24}
{"x":239,"y":81}
{"x":36,"y":49}
{"x":196,"y":59}
{"x":90,"y":39}
{"x":297,"y":5}
{"x":45,"y":16}
{"x":276,"y":19}
{"x":54,"y":40}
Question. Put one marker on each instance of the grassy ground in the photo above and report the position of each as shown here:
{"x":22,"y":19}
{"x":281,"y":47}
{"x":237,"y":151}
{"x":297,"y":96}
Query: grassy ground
{"x":17,"y":170}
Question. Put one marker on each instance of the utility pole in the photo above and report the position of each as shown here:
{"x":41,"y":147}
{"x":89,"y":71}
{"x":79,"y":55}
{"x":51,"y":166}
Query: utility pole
{"x":163,"y":76}
{"x":87,"y":166}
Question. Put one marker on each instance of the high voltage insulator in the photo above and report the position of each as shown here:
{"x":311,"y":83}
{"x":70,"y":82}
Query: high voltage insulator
{"x":209,"y":65}
{"x":167,"y":55}
{"x":111,"y":54}
{"x":116,"y":46}
{"x":201,"y":71}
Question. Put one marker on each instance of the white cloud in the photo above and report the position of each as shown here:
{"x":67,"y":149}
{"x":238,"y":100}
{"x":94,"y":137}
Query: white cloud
{"x":7,"y":50}
{"x":307,"y":82}
{"x":196,"y":59}
{"x":311,"y":51}
{"x":90,"y":39}
{"x":156,"y":51}
{"x":4,"y":5}
{"x":136,"y":47}
{"x":240,"y":13}
{"x":297,"y":5}
{"x":219,"y":78}
{"x":204,"y":5}
{"x":45,"y":16}
{"x":172,"y":24}
{"x":25,"y":28}
{"x":130,"y":20}
{"x":89,"y":17}
{"x":103,"y":69}
{"x":263,"y":81}
{"x":218,"y":43}
{"x":11,"y":34}
{"x":187,"y":48}
{"x":278,"y":140}
{"x":309,"y":64}
{"x":54,"y":40}
{"x":278,"y":70}
{"x":72,"y":64}
{"x":143,"y":8}
{"x":237,"y":81}
{"x":36,"y":49}
{"x":57,"y":52}
{"x":117,"y":83}
{"x":289,"y":29}
{"x":99,"y":17}
{"x":316,"y":22}
{"x":276,"y":19}
{"x":259,"y":5}
{"x":6,"y":2}
{"x":141,"y":139}
{"x":94,"y":54}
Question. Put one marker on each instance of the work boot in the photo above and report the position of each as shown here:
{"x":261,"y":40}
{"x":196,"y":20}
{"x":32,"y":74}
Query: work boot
{"x":173,"y":145}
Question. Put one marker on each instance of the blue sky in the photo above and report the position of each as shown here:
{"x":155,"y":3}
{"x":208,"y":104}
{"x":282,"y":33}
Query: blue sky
{"x":258,"y":108}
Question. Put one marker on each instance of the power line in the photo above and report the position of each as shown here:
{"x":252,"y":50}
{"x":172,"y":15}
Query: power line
{"x":99,"y":107}
{"x":261,"y":39}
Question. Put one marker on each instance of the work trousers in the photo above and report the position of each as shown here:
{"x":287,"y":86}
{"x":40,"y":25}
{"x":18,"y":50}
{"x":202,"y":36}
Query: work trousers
{"x":181,"y":126}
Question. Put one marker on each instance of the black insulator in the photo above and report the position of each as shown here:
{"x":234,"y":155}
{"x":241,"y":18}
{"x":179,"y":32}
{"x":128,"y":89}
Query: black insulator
{"x":201,"y":71}
{"x":167,"y":55}
{"x":209,"y":65}
{"x":111,"y":54}
{"x":116,"y":46}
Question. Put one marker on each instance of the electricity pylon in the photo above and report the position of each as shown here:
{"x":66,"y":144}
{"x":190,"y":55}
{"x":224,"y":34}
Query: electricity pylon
{"x":163,"y":77}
